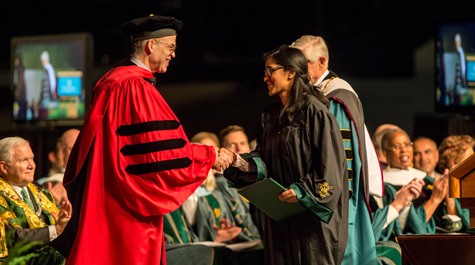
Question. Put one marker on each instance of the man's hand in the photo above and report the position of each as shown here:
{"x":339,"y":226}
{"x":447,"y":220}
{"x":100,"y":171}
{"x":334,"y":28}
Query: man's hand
{"x":288,"y":196}
{"x":224,"y":158}
{"x":65,"y":213}
{"x":58,"y":192}
{"x":225,"y":231}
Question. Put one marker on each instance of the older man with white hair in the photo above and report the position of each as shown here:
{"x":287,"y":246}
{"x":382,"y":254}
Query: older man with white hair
{"x":28,"y":210}
{"x":48,"y":82}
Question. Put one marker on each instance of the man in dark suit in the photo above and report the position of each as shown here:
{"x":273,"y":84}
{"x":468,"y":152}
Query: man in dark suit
{"x":28,"y":210}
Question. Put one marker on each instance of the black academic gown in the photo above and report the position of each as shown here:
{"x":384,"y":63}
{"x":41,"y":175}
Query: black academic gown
{"x":306,"y":155}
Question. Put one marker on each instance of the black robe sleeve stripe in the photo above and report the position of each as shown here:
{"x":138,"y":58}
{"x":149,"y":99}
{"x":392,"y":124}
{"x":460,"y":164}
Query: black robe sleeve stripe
{"x":149,"y":126}
{"x":350,"y":174}
{"x":349,"y":154}
{"x":345,"y":135}
{"x":146,"y":168}
{"x":145,"y":148}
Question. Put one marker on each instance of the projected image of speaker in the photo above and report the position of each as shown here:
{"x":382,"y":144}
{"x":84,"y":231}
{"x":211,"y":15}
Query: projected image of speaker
{"x":51,"y":78}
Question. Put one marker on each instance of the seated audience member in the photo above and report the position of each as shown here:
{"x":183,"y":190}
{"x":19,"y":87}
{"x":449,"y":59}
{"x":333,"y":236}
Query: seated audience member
{"x":426,"y":156}
{"x":238,"y":207}
{"x":253,"y":144}
{"x":183,"y":245}
{"x":452,"y":151}
{"x":403,"y":211}
{"x":56,"y":160}
{"x":206,"y":138}
{"x":179,"y":235}
{"x":376,"y":138}
{"x":27,"y":210}
{"x":213,"y":219}
{"x":65,"y":145}
{"x":234,"y":139}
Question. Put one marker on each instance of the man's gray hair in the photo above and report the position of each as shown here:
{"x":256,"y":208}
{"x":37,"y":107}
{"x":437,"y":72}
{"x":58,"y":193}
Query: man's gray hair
{"x":138,"y":47}
{"x":7,"y":145}
{"x":313,"y":47}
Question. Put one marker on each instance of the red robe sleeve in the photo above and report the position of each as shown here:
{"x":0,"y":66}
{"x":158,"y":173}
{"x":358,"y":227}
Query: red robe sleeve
{"x":155,"y":166}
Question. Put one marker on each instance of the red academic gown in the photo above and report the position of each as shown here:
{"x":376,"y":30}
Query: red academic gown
{"x":132,"y":163}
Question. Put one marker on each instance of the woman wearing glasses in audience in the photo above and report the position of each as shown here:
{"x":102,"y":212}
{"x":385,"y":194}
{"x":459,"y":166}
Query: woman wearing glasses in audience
{"x":299,"y":146}
{"x":410,"y":195}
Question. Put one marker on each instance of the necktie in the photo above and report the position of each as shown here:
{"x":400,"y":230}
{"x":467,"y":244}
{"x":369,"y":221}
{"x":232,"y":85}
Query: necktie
{"x":26,"y":199}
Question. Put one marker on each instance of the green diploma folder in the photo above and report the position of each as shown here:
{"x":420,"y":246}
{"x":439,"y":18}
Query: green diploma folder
{"x":265,"y":195}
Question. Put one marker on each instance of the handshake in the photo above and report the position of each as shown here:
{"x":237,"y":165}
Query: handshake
{"x":224,"y":159}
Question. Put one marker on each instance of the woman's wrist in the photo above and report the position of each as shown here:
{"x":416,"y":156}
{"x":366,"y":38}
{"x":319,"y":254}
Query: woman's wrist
{"x":449,"y":203}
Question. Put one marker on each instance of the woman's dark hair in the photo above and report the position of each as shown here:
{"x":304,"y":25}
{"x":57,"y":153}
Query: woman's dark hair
{"x":294,"y":60}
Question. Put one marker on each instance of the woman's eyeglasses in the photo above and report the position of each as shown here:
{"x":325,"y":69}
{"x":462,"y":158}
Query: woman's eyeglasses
{"x":400,"y":146}
{"x":268,"y":71}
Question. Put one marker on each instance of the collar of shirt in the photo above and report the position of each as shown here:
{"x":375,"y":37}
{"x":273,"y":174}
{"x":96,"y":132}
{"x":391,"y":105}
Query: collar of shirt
{"x":18,"y":191}
{"x":320,"y":80}
{"x":139,"y":63}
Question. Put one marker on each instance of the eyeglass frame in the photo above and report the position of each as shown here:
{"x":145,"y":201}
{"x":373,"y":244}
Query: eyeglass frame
{"x":172,"y":47}
{"x":269,"y":71}
{"x":399,"y":147}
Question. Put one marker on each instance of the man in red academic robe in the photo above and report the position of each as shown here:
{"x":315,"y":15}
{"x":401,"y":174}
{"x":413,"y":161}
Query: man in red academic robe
{"x":132,"y":162}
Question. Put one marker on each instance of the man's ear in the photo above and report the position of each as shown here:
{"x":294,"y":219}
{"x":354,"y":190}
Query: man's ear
{"x":322,"y":61}
{"x":149,"y":46}
{"x":3,"y":168}
{"x":52,"y":157}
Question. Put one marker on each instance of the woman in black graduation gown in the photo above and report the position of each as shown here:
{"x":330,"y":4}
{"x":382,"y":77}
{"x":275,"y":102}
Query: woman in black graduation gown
{"x":299,"y":145}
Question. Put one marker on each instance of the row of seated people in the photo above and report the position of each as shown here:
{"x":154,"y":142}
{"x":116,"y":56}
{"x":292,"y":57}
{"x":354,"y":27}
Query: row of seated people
{"x":416,"y":198}
{"x":415,"y":201}
{"x":215,"y":216}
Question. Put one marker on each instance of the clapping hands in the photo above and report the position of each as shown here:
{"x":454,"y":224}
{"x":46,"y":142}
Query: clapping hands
{"x":407,"y":193}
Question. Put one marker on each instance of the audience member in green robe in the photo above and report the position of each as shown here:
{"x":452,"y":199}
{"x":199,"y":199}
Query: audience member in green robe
{"x":233,"y":138}
{"x":210,"y":222}
{"x":27,"y":211}
{"x":453,"y":150}
{"x":239,"y":209}
{"x":178,"y":238}
{"x":399,"y":213}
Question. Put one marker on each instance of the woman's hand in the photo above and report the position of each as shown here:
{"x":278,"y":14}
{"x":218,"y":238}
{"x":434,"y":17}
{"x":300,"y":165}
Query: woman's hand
{"x":226,"y":231}
{"x":441,"y":189}
{"x":403,"y":198}
{"x":288,"y":196}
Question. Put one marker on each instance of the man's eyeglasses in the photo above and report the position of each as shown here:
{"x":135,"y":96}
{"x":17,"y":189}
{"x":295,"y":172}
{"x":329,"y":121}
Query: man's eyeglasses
{"x":171,"y":46}
{"x":269,"y":71}
{"x":400,"y":146}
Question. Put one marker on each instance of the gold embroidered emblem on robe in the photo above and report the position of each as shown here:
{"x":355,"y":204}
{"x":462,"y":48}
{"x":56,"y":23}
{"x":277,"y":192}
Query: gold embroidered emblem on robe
{"x":217,"y":212}
{"x":324,"y":188}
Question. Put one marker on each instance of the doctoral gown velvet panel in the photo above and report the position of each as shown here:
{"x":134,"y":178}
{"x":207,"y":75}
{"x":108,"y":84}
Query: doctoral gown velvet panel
{"x":132,"y":163}
{"x":360,"y":248}
{"x":307,"y":155}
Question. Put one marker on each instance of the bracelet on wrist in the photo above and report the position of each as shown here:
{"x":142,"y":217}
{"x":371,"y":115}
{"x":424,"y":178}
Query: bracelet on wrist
{"x":234,"y":159}
{"x":450,"y":204}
